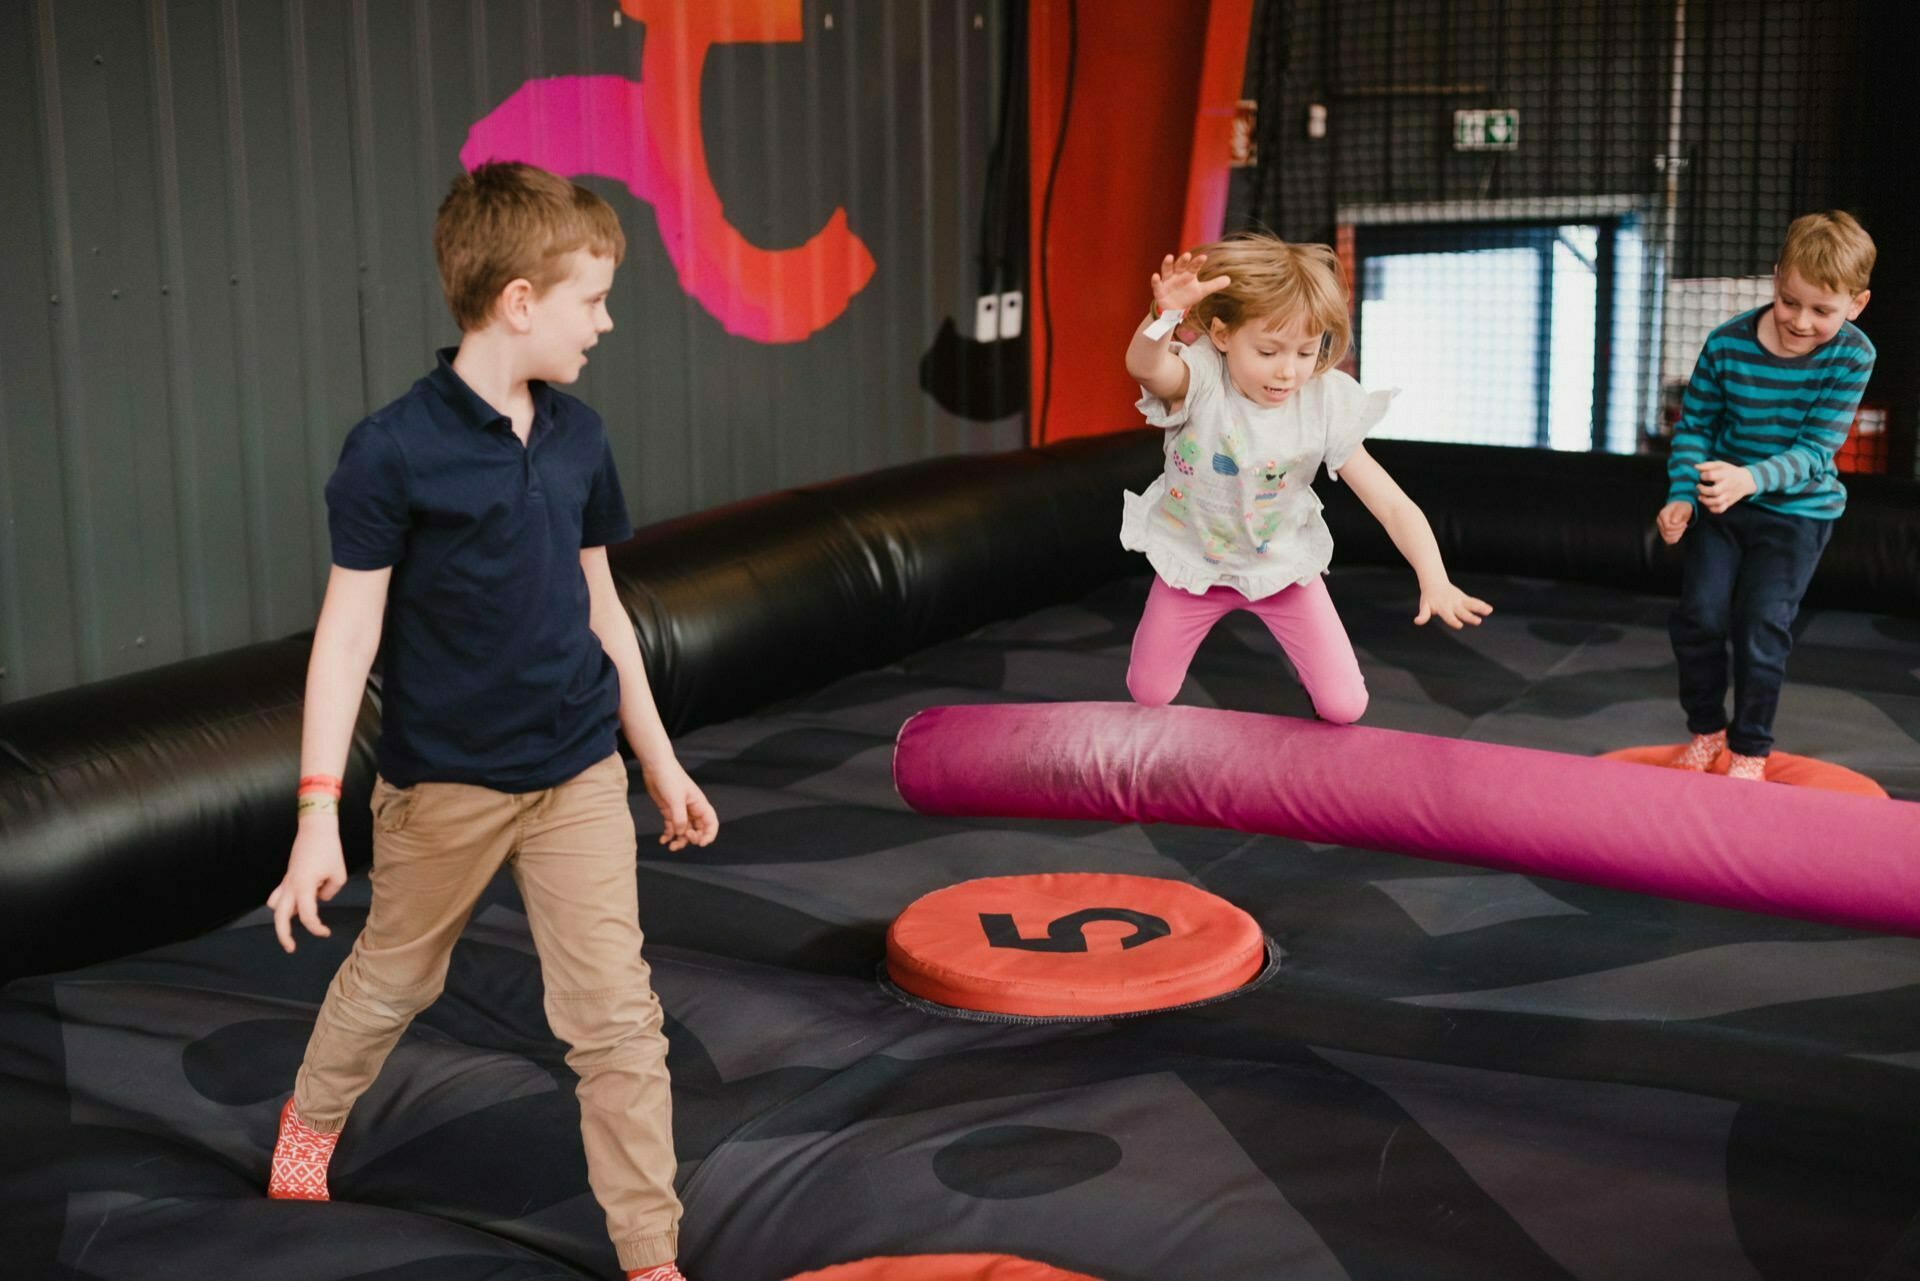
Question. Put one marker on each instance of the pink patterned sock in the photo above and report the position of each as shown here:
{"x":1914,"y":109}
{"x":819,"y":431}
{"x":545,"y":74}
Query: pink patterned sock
{"x":300,"y":1157}
{"x":663,"y":1272}
{"x":1700,"y":754}
{"x":1751,"y":768}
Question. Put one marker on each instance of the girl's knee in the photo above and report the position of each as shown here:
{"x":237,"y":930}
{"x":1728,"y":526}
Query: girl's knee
{"x":1151,"y":689}
{"x":1341,"y":707}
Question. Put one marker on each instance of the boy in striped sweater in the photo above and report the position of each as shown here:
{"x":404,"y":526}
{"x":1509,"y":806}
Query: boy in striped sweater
{"x":1771,"y":399}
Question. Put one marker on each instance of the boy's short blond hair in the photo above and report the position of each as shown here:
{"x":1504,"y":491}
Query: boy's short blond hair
{"x":1830,"y":250}
{"x":508,"y":221}
{"x":1275,"y":281}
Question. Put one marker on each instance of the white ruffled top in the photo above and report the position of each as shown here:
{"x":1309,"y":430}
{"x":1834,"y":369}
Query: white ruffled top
{"x":1234,"y":505}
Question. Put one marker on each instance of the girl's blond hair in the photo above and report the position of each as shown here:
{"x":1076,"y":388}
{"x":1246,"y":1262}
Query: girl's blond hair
{"x":1274,"y":282}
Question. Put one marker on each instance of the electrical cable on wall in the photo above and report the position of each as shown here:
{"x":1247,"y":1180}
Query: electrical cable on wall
{"x":1046,"y":211}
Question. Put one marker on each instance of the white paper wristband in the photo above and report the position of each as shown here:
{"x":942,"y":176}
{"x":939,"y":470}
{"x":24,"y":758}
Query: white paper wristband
{"x":1165,"y":324}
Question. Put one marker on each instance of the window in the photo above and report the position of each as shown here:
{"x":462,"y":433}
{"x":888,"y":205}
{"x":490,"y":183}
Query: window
{"x":1503,"y":334}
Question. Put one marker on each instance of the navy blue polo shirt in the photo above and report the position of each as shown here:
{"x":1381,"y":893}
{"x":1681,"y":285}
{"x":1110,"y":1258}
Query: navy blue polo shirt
{"x":491,"y":673}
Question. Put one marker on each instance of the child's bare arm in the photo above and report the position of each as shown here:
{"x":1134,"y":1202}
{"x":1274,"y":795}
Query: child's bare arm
{"x":344,"y":644}
{"x":1407,"y":525}
{"x":1150,"y":361}
{"x":687,"y":816}
{"x":1152,"y":364}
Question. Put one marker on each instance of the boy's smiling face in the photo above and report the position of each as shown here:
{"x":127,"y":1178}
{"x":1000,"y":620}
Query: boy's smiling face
{"x":1806,"y":315}
{"x":570,"y":317}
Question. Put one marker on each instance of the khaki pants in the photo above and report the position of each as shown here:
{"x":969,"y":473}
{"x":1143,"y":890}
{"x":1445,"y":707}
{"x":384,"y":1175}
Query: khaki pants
{"x":571,"y":849}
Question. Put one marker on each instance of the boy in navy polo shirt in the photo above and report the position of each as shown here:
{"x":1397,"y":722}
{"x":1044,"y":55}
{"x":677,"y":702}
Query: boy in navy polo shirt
{"x":1772,"y":397}
{"x":472,"y":518}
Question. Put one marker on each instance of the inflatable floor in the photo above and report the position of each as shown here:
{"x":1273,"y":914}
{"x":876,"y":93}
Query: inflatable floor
{"x":1452,"y":1073}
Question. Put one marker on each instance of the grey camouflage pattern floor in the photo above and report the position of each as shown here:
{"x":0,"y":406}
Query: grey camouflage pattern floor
{"x":1456,"y":1073}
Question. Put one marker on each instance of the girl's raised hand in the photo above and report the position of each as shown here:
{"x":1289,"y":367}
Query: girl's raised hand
{"x":1178,"y":285}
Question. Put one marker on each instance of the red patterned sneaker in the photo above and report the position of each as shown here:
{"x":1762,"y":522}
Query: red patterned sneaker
{"x":664,"y":1272}
{"x":1751,"y":768}
{"x":1700,"y":754}
{"x":300,"y":1156}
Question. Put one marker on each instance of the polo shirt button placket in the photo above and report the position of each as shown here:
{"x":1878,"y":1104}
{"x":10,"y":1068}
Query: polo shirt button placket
{"x":531,"y":474}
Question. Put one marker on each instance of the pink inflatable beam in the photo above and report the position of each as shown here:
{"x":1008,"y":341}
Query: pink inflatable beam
{"x":1760,"y":847}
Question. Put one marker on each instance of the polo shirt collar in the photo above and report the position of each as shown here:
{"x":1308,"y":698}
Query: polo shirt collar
{"x":471,"y":406}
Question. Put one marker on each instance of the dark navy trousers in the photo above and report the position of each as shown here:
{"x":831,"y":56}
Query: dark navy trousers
{"x":1745,"y":572}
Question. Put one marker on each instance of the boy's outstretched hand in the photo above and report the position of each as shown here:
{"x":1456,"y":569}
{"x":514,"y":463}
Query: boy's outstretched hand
{"x":315,"y":872}
{"x":1451,"y":606}
{"x":1672,"y":521}
{"x":686,"y":815}
{"x":1177,"y":285}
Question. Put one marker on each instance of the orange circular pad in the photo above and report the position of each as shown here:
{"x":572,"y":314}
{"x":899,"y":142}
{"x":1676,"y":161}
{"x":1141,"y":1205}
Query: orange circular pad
{"x":1066,"y":944}
{"x":943,"y":1267}
{"x":1782,"y":767}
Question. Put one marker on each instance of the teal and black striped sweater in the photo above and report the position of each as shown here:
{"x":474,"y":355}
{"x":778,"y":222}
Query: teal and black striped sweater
{"x":1780,"y":417}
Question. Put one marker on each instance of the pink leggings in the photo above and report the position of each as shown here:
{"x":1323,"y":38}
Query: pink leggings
{"x":1301,"y":618}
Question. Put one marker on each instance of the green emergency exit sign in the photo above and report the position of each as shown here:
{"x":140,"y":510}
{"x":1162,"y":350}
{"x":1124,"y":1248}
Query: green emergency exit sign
{"x":1486,"y":130}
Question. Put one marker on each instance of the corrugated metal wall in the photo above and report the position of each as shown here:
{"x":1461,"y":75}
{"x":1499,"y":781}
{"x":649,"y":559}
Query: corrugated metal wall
{"x":216,"y":257}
